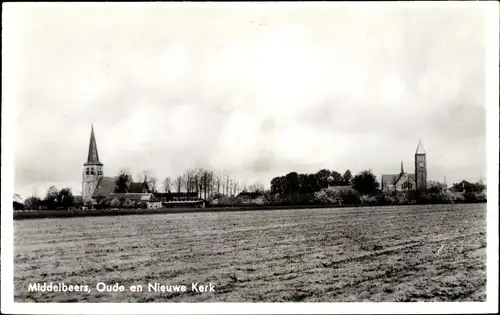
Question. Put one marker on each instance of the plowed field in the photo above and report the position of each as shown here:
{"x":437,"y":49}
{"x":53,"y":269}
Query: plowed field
{"x":405,"y":253}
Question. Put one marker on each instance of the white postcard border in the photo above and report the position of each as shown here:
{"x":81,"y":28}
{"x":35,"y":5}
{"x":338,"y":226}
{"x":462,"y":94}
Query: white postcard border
{"x":7,"y":165}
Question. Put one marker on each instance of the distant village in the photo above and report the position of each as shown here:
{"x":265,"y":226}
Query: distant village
{"x":203,"y":188}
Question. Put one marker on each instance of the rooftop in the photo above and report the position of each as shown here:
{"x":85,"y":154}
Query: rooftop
{"x":420,"y":148}
{"x":391,"y":179}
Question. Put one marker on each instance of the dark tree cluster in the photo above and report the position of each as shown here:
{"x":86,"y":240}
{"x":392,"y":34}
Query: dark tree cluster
{"x":123,"y":182}
{"x":305,"y":184}
{"x":365,"y":183}
{"x":468,"y":188}
{"x":57,"y":199}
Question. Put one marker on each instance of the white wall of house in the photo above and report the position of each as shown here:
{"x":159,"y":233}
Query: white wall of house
{"x":154,"y":205}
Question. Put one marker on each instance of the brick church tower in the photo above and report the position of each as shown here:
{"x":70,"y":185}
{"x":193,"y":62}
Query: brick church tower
{"x":92,"y":170}
{"x":420,"y":168}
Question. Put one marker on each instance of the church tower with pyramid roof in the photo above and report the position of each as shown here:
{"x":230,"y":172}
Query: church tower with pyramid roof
{"x":92,"y":170}
{"x":420,"y":167}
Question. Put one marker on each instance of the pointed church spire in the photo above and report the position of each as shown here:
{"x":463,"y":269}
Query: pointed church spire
{"x":420,"y":148}
{"x":93,"y":157}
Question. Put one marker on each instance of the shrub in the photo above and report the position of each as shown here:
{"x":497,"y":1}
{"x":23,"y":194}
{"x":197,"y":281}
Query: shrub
{"x":331,"y":195}
{"x":18,"y":206}
{"x":474,"y":197}
{"x":442,"y":197}
{"x":127,"y":203}
{"x":481,"y":196}
{"x":32,"y":203}
{"x":350,"y":197}
{"x":114,"y":203}
{"x":387,"y":198}
{"x":326,"y":196}
{"x":402,"y":198}
{"x":89,"y":204}
{"x":305,"y":199}
{"x":102,"y":203}
{"x":369,"y":200}
{"x":272,"y":199}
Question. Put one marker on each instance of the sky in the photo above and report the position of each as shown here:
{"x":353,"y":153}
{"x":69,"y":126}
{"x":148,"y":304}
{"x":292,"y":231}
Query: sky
{"x":252,"y":90}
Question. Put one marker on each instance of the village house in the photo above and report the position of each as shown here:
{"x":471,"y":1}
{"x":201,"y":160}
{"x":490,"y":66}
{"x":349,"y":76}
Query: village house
{"x":177,"y":196}
{"x":134,"y":200}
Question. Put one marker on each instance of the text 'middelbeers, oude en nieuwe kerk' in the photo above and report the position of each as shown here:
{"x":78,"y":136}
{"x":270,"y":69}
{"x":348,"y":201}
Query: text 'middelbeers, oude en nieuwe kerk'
{"x":117,"y":287}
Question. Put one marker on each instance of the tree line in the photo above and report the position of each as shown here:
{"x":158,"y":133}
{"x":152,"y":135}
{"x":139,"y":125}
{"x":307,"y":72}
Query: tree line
{"x":54,"y":199}
{"x":304,"y":184}
{"x":303,"y":188}
{"x":292,"y":188}
{"x":205,"y":182}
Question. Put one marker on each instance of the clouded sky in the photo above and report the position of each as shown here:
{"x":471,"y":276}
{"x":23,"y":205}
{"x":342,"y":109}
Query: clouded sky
{"x":256,"y":90}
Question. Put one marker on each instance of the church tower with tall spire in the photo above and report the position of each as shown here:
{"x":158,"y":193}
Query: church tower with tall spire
{"x":92,"y":170}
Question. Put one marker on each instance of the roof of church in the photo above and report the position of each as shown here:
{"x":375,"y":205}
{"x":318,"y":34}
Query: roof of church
{"x":93,"y":157}
{"x":105,"y":186}
{"x":136,"y":187}
{"x":391,"y":179}
{"x":420,"y":148}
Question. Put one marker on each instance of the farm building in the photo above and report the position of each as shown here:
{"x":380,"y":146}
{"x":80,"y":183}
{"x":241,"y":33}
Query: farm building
{"x":133,"y":200}
{"x":177,"y":196}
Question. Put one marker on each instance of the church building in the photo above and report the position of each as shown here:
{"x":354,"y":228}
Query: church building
{"x":95,"y":185}
{"x":405,"y":181}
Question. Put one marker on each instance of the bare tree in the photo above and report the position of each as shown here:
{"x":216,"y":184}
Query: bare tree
{"x":199,"y":181}
{"x":217,"y":184}
{"x":256,"y":187}
{"x":152,"y":184}
{"x":178,"y":183}
{"x":167,"y":184}
{"x":227,"y":182}
{"x":205,"y":181}
{"x":144,"y":175}
{"x":210,"y":182}
{"x":234,"y":187}
{"x":190,"y":180}
{"x":187,"y":180}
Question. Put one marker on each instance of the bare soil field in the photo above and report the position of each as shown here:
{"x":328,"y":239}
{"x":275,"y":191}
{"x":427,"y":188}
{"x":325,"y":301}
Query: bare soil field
{"x":403,"y":253}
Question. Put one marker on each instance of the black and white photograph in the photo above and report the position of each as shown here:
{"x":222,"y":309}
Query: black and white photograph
{"x":293,"y":155}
